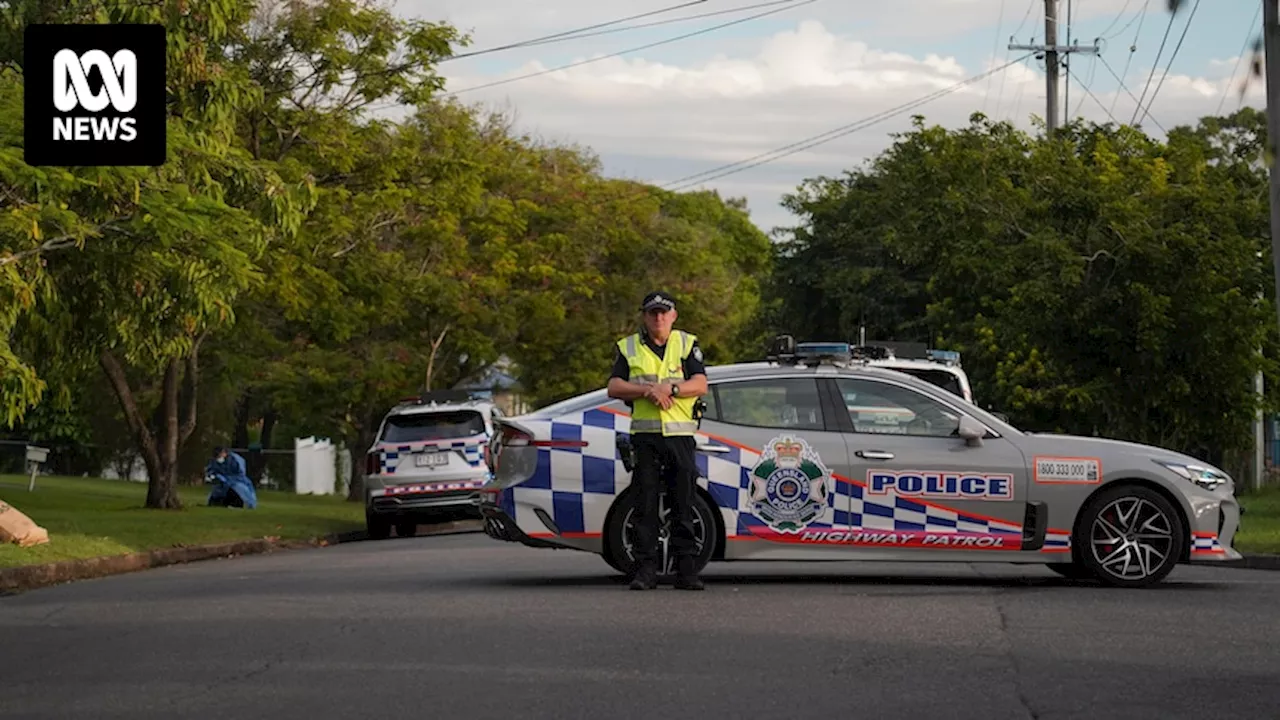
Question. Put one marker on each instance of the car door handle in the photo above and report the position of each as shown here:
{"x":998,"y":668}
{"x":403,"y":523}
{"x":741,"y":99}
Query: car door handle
{"x":713,"y":448}
{"x":874,"y":455}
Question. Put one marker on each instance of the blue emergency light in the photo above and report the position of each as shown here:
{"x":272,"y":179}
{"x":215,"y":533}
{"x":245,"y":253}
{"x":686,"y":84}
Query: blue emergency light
{"x":948,"y":357}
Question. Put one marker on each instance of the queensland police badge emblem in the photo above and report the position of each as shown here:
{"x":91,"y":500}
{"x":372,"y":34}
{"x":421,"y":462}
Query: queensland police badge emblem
{"x":790,"y":487}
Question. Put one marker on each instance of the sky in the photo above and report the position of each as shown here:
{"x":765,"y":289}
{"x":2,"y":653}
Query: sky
{"x":688,"y":106}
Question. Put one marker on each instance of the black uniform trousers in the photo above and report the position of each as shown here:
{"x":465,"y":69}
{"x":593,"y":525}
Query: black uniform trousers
{"x":664,"y":465}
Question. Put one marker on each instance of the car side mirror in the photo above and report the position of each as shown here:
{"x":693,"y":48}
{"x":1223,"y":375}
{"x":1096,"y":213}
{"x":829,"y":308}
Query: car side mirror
{"x":972,"y":431}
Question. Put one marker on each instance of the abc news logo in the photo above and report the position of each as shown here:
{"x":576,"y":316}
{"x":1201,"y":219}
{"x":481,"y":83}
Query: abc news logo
{"x":95,"y":95}
{"x":71,"y":90}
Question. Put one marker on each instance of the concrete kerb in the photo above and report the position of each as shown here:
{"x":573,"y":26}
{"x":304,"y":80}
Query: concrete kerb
{"x":30,"y":577}
{"x":1256,"y":562}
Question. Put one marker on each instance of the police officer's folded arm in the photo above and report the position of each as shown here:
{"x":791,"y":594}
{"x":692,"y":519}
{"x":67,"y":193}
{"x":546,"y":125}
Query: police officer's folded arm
{"x":695,"y":386}
{"x":620,"y":387}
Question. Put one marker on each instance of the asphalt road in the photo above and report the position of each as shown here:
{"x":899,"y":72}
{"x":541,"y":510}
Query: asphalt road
{"x":467,"y":627}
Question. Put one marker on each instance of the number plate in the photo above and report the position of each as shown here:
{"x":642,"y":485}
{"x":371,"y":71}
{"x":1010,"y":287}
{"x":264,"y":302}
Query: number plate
{"x":1086,"y":471}
{"x":431,"y":459}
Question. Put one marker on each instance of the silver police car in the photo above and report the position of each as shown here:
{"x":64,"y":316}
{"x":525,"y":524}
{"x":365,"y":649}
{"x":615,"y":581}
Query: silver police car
{"x":428,"y":462}
{"x":814,"y":454}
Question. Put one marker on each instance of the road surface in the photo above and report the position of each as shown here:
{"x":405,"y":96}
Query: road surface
{"x":463,"y":626}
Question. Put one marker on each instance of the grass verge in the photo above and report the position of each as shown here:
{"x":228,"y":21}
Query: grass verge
{"x":1260,"y":526}
{"x":90,"y":517}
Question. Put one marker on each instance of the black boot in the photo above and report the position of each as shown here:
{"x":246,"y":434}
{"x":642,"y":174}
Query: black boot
{"x":686,"y":577}
{"x":644,"y":577}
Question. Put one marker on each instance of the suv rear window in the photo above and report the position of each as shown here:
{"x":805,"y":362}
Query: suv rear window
{"x":417,"y":427}
{"x":945,"y":380}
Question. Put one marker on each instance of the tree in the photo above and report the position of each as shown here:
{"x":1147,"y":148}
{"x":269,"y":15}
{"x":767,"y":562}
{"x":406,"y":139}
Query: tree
{"x":1097,"y":282}
{"x":160,"y":253}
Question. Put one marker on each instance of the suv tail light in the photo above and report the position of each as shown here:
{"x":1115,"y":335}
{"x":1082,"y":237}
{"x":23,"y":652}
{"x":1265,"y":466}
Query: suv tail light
{"x":371,"y":463}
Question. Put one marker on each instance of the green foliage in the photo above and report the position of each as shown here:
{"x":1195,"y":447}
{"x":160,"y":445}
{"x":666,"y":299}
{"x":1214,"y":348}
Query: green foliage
{"x":1100,"y":283}
{"x":319,"y":264}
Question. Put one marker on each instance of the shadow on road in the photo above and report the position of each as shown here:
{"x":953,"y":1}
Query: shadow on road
{"x":834,"y":579}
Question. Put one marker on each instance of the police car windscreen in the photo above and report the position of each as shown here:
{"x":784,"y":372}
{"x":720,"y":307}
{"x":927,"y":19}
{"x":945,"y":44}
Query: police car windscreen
{"x":432,"y":426}
{"x":942,"y":379}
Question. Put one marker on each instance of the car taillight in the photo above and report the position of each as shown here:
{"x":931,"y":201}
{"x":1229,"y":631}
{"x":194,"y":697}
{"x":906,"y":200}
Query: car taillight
{"x":371,"y":463}
{"x":514,"y":437}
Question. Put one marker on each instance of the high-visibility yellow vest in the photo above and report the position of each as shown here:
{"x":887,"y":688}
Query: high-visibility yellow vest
{"x":647,"y":367}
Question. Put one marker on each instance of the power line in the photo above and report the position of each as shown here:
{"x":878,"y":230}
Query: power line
{"x":1022,"y":89}
{"x":1133,"y":47}
{"x":1093,"y":72}
{"x":1176,"y":48}
{"x":820,"y":139}
{"x":1117,"y":19}
{"x":1252,"y":24}
{"x":1090,"y":94}
{"x":638,"y":48}
{"x":656,"y":23}
{"x":1124,"y":87}
{"x":1154,"y":65}
{"x":1139,"y":18}
{"x":995,"y":47}
{"x":1030,"y":6}
{"x":1007,"y":51}
{"x":566,"y":33}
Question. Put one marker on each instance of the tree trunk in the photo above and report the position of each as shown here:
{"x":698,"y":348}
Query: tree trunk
{"x":240,"y":436}
{"x":431,"y":361}
{"x":364,"y":439}
{"x":159,"y":446}
{"x":258,"y":461}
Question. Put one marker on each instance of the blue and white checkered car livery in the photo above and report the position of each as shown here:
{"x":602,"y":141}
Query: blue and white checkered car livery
{"x":472,"y":450}
{"x":577,"y":486}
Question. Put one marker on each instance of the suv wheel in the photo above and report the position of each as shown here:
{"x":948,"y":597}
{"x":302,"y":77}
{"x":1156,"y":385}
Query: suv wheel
{"x":378,"y":527}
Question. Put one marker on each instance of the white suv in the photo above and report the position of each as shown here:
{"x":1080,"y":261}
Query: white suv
{"x":428,"y":462}
{"x":939,"y":367}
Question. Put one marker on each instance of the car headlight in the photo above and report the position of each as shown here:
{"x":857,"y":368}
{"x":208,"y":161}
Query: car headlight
{"x":1206,"y":477}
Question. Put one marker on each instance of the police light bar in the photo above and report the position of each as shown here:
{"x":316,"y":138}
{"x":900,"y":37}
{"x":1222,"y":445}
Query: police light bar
{"x":811,"y":351}
{"x":947,"y":357}
{"x":440,"y":397}
{"x":873,"y":352}
{"x":823,"y":348}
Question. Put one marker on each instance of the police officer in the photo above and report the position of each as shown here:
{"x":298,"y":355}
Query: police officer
{"x":659,"y":372}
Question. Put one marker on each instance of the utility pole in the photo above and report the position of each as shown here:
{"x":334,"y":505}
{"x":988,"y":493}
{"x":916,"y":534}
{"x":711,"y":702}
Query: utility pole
{"x":1271,"y":45}
{"x":1271,"y":48}
{"x":1051,"y":50}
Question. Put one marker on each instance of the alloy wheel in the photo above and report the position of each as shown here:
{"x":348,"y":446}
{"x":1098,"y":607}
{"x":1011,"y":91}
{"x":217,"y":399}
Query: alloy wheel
{"x":1132,"y":538}
{"x":664,"y":536}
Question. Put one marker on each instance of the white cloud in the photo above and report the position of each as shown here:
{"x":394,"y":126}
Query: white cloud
{"x":501,"y":21}
{"x":661,"y":120}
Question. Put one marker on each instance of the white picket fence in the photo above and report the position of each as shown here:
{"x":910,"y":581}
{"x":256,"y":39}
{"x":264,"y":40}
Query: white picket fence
{"x":318,"y":466}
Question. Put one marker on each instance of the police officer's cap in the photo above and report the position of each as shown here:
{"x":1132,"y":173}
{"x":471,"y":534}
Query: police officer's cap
{"x":658,"y":301}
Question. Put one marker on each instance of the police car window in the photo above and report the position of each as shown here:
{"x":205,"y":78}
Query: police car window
{"x":712,"y":411}
{"x":777,"y":403}
{"x":882,"y":408}
{"x":419,"y":427}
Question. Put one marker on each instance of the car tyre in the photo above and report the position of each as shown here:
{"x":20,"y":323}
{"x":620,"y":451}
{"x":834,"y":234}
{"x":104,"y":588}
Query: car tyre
{"x":406,"y":528}
{"x":1129,"y":536}
{"x":616,"y":544}
{"x":378,"y":527}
